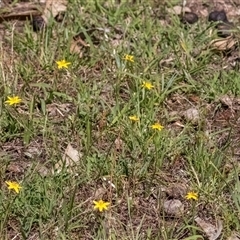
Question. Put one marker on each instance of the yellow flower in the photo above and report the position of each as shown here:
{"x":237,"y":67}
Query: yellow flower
{"x":101,"y":205}
{"x":13,"y":100}
{"x":147,"y":85}
{"x":129,"y":58}
{"x":157,"y":126}
{"x":62,"y":64}
{"x":134,"y":118}
{"x":13,"y":185}
{"x":191,"y":195}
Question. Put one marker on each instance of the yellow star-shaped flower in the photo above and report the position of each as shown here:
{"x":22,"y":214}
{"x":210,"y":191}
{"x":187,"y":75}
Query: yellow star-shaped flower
{"x":101,"y":205}
{"x":192,"y":195}
{"x":147,"y":85}
{"x":134,"y":118}
{"x":13,"y":100}
{"x":14,"y":186}
{"x":62,"y":64}
{"x":129,"y":58}
{"x":157,"y":126}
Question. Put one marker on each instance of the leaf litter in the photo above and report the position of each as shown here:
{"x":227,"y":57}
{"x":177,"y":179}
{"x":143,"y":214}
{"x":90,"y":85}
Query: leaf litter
{"x":70,"y":160}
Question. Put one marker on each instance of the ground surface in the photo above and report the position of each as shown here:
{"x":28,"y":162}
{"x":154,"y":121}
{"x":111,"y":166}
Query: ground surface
{"x":83,"y":112}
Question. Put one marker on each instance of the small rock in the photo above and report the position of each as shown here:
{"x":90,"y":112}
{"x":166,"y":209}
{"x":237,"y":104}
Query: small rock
{"x":173,"y":208}
{"x":217,"y":16}
{"x":189,"y":17}
{"x":192,"y":114}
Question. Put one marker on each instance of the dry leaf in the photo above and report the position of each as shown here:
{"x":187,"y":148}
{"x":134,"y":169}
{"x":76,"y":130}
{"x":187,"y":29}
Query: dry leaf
{"x":99,"y":193}
{"x":227,"y":100}
{"x":17,"y":167}
{"x":76,"y":47}
{"x":178,"y":10}
{"x":70,"y":155}
{"x":223,"y":44}
{"x":53,"y":8}
{"x":211,"y":231}
{"x":60,"y":110}
{"x":78,"y":39}
{"x":178,"y":124}
{"x":70,"y":158}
